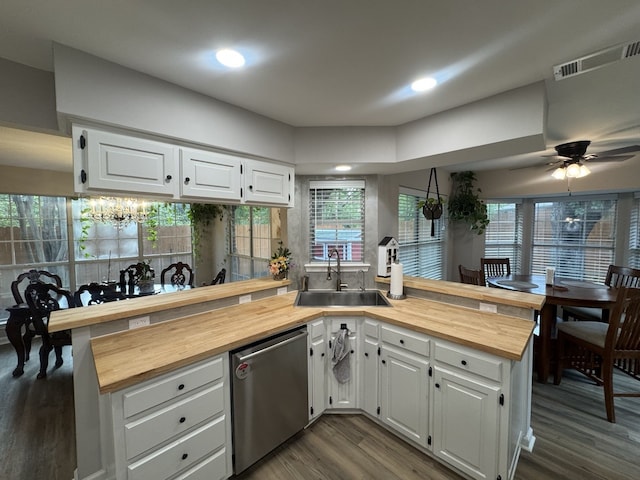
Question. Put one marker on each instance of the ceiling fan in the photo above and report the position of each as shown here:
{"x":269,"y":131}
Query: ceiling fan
{"x":573,"y":157}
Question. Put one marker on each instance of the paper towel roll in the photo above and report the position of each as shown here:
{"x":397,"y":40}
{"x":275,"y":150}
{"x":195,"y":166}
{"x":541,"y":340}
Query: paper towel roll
{"x":396,"y":279}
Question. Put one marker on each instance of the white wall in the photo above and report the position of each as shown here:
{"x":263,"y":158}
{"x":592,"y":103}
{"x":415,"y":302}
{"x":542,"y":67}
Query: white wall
{"x":93,"y":89}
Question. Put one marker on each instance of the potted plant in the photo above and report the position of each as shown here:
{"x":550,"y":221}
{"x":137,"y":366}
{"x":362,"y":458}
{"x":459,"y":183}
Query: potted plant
{"x":280,"y":262}
{"x":146,"y":278}
{"x":465,"y":204}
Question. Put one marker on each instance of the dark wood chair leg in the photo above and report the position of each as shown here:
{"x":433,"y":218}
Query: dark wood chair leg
{"x":59,"y":360}
{"x":26,"y":338}
{"x":557,"y":376}
{"x":607,"y":377}
{"x":45,"y":349}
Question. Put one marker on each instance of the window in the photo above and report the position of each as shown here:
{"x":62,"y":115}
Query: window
{"x":634,"y":234}
{"x":35,"y":233}
{"x":336,"y":220}
{"x":421,"y":254}
{"x":574,"y":236}
{"x":249,"y":241}
{"x":503,"y":235}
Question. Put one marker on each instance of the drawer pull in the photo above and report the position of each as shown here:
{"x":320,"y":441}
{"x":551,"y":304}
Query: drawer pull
{"x":401,"y":342}
{"x":384,"y":362}
{"x":181,"y":386}
{"x":463,"y":362}
{"x":366,"y":354}
{"x":169,"y":177}
{"x":184,"y":456}
{"x":183,"y":419}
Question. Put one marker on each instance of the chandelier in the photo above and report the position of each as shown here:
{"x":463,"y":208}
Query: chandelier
{"x":120,"y":212}
{"x":570,"y":170}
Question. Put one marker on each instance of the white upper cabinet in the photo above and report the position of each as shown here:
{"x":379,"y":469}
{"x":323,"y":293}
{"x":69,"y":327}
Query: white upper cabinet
{"x":110,"y":162}
{"x":210,"y":175}
{"x":268,"y":183}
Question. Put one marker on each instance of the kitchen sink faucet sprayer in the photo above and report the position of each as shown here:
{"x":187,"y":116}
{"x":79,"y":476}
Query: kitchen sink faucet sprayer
{"x":339,"y":284}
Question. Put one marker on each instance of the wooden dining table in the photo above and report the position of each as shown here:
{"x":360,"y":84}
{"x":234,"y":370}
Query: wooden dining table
{"x":564,"y":291}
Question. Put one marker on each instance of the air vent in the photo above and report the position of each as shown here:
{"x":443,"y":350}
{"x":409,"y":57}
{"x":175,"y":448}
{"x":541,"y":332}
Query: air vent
{"x":596,"y":60}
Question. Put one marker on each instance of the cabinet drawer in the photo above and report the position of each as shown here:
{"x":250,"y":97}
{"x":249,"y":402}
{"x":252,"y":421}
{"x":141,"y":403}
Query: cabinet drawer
{"x":406,"y":339}
{"x":182,"y":453}
{"x":472,"y":362}
{"x":156,"y":393}
{"x":163,"y":424}
{"x":212,"y":468}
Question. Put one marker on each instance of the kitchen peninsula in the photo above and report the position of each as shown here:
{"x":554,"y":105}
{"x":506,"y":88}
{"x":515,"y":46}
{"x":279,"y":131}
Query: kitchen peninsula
{"x":117,"y":371}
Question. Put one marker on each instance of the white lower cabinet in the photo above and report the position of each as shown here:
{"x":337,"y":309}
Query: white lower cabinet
{"x":404,"y":383}
{"x":317,"y":365}
{"x":466,"y":421}
{"x":176,"y":426}
{"x":369,"y":361}
{"x":343,"y":394}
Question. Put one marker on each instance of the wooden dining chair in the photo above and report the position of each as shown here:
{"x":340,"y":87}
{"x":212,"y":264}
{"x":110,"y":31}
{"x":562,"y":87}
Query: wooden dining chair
{"x":596,"y":348}
{"x":616,"y":277}
{"x":96,"y":293}
{"x":32,"y":276}
{"x":220,"y":277}
{"x":44,"y":298}
{"x":181,"y":275}
{"x":18,"y":287}
{"x":471,"y":277}
{"x":495,"y":267}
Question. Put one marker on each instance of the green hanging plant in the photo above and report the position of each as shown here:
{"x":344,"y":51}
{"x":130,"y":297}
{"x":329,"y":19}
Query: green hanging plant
{"x":465,"y":204}
{"x":200,"y":215}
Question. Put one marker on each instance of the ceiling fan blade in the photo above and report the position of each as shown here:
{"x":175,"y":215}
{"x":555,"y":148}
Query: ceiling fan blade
{"x":620,"y":151}
{"x":618,"y":158}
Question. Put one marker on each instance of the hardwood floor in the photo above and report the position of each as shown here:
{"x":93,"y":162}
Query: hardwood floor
{"x":574,"y":439}
{"x":36,"y":419}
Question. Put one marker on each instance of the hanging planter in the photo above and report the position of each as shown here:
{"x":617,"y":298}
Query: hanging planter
{"x":432,"y":208}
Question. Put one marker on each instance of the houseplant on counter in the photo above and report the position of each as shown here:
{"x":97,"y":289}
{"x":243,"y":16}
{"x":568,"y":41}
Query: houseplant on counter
{"x":280,"y":262}
{"x":465,"y":204}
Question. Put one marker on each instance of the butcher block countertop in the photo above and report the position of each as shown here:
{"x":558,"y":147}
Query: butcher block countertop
{"x":482,"y":294}
{"x":126,"y":358}
{"x":107,"y":312}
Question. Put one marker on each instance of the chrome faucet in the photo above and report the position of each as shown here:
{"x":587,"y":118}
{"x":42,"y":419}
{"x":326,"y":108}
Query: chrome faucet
{"x":339,"y":284}
{"x":362,"y":289}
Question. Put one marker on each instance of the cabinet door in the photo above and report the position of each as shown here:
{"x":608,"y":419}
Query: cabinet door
{"x":210,"y":175}
{"x":404,"y":403}
{"x":128,"y":164}
{"x":317,"y":367}
{"x":344,"y":395}
{"x":370,"y":400}
{"x":268,"y":183}
{"x":466,"y":416}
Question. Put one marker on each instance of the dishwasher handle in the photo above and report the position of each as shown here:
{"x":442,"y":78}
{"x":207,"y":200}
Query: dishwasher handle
{"x":299,"y":334}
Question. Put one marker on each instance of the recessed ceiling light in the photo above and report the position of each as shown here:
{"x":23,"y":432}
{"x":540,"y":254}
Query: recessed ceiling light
{"x":230,"y":58}
{"x":343,"y":168}
{"x":423,"y":84}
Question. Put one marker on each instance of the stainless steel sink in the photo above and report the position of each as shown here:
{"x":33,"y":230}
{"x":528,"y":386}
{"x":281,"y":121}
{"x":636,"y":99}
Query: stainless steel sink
{"x":333,"y":298}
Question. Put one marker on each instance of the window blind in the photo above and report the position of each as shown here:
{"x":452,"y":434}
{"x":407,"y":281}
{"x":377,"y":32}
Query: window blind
{"x":337,"y":220}
{"x":574,"y":236}
{"x":503,"y":235}
{"x":634,"y":234}
{"x":421,"y":254}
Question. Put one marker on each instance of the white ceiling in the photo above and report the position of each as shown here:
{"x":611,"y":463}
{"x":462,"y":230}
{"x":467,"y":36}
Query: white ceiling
{"x":334,"y":62}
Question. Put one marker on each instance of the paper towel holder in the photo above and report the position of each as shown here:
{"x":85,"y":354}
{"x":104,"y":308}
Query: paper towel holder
{"x":395,"y":297}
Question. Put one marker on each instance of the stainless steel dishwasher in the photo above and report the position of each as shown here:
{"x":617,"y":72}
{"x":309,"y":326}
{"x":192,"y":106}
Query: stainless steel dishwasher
{"x":269,"y":395}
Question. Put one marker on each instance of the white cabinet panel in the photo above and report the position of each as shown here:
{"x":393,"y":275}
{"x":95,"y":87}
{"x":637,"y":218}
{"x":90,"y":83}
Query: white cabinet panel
{"x":404,"y":399}
{"x":110,"y":162}
{"x":344,"y":395}
{"x":370,"y":397}
{"x":317,"y":367}
{"x":268,"y":183}
{"x":466,"y":417}
{"x":210,"y":175}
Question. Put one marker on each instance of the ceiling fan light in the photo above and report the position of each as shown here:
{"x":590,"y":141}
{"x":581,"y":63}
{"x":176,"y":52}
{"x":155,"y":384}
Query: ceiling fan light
{"x":573,"y":170}
{"x":583,"y":171}
{"x":559,"y":173}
